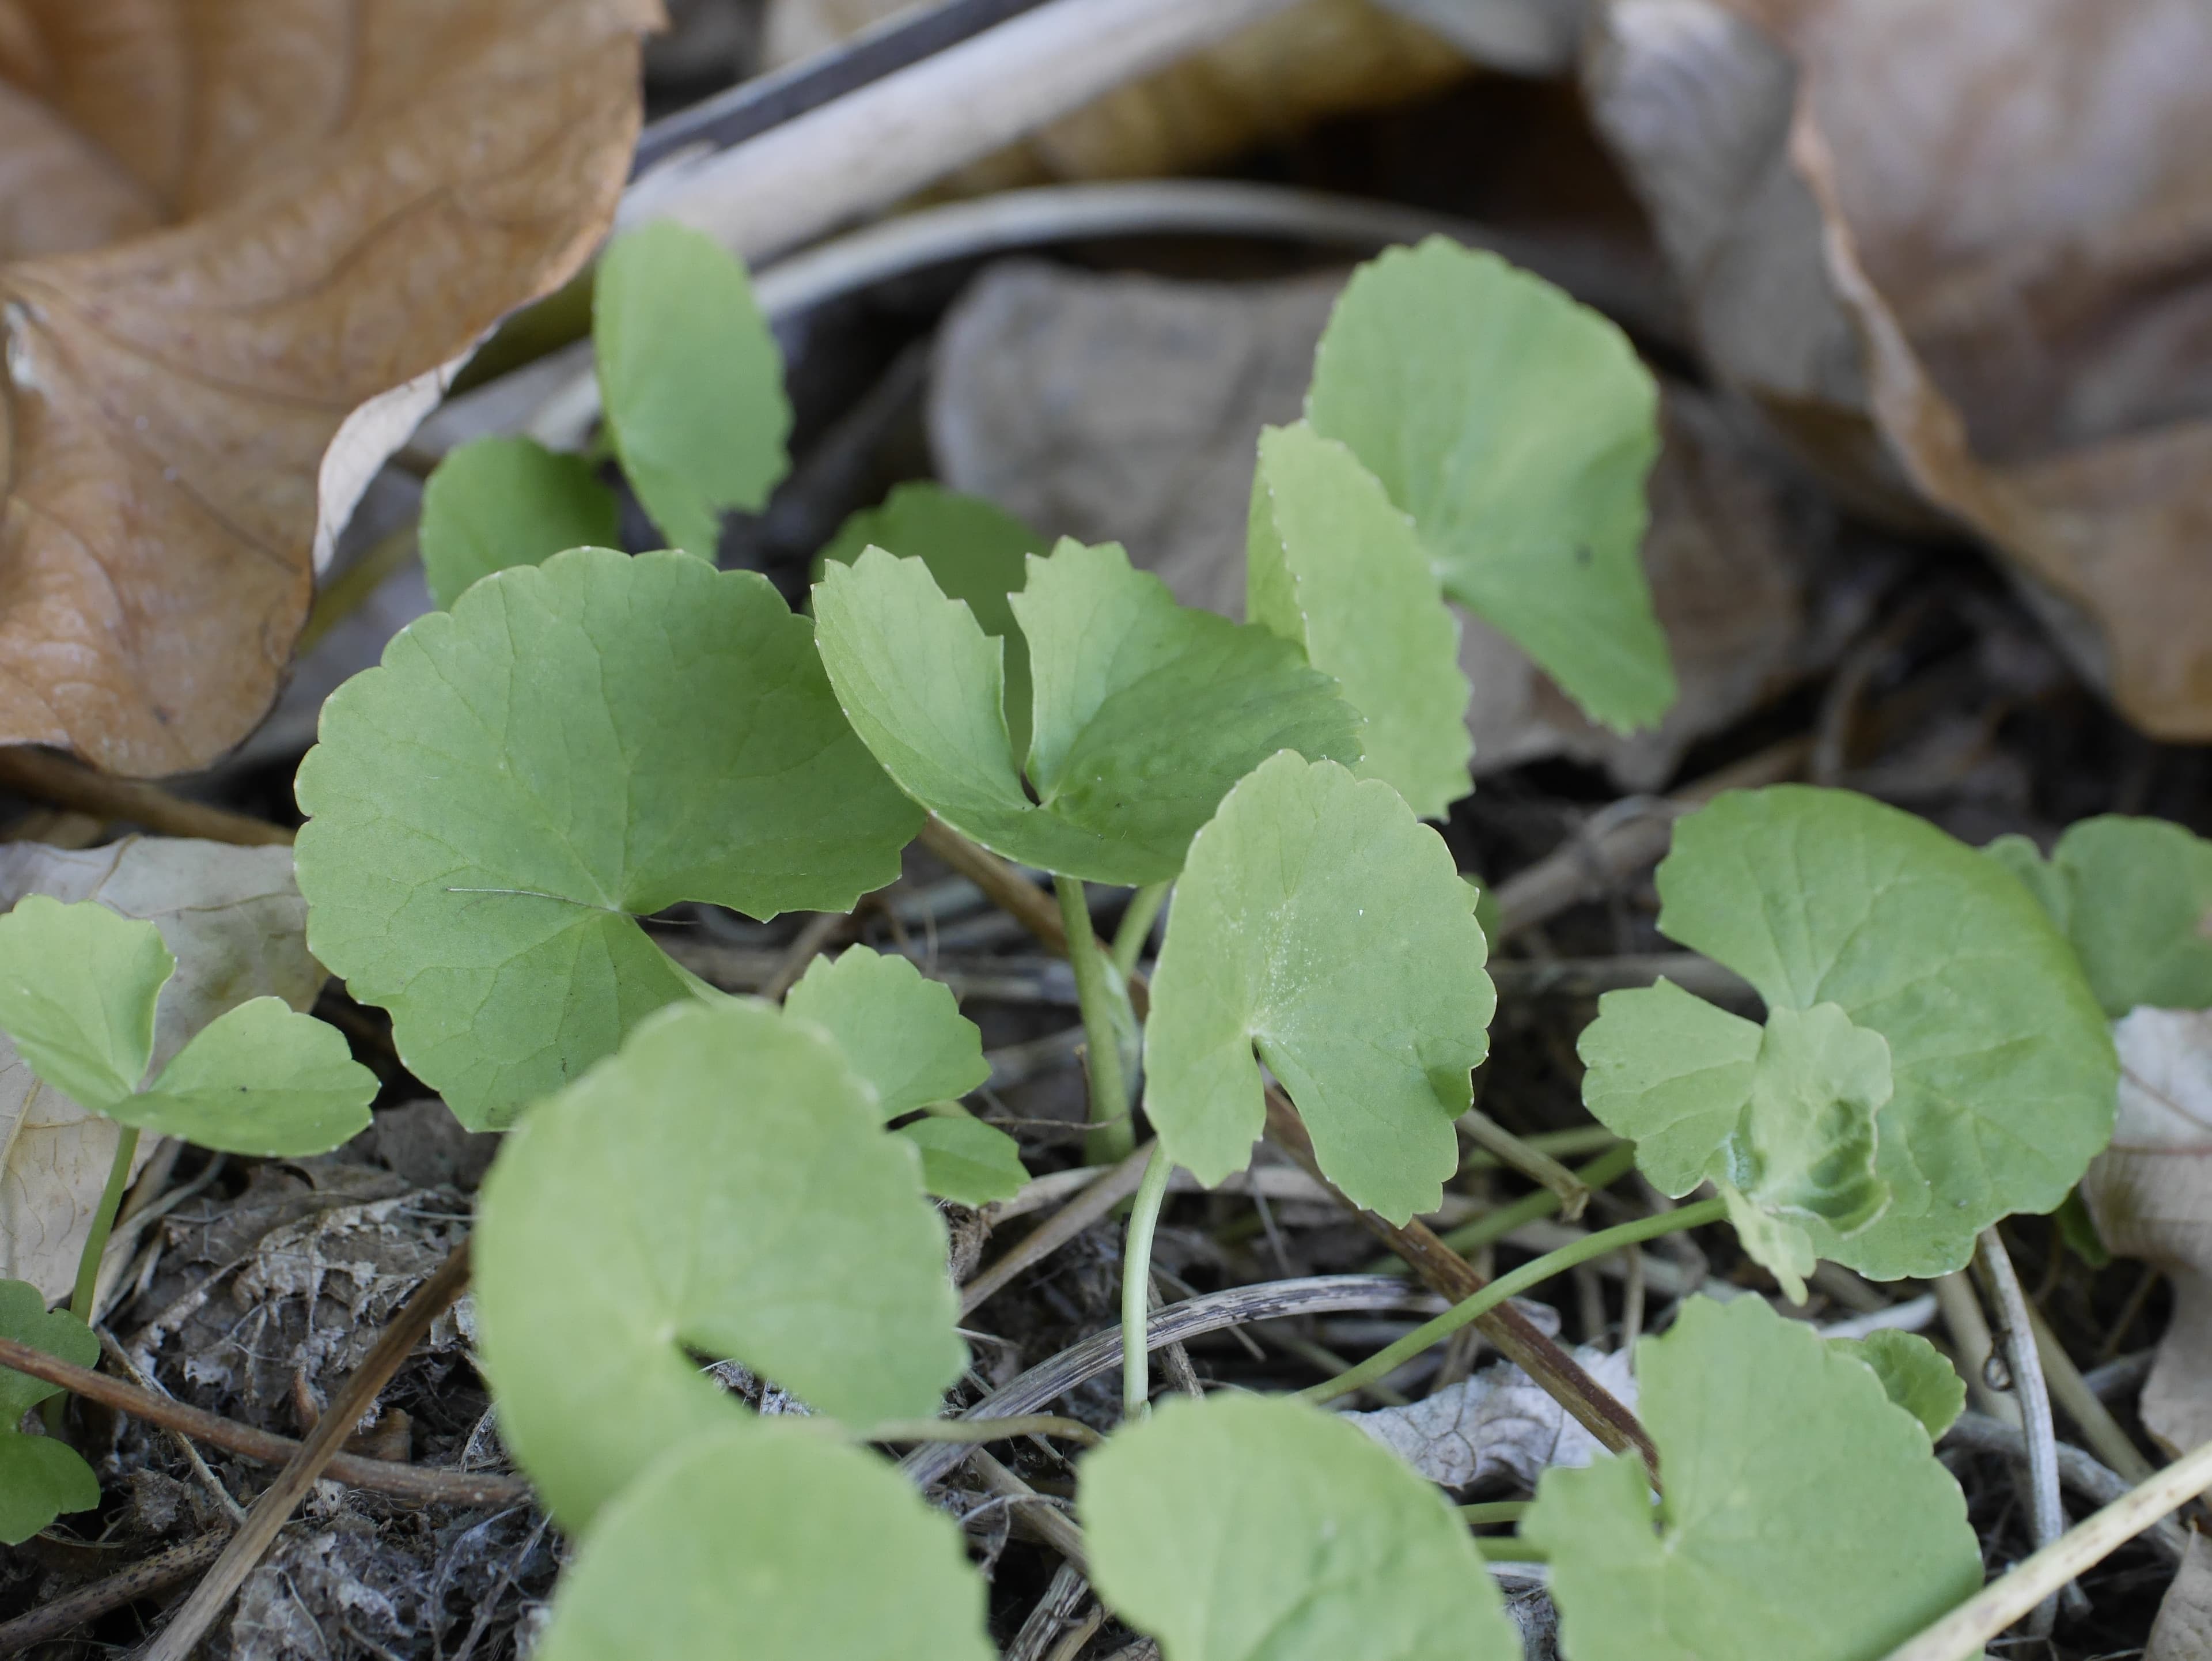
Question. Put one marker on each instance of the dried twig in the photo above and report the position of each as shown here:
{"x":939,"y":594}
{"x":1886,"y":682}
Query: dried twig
{"x":2047,"y":1511}
{"x":1118,"y":1184}
{"x":1007,"y":887}
{"x":49,"y":777}
{"x":274,"y":1508}
{"x":141,"y":1579}
{"x":2098,"y":1483}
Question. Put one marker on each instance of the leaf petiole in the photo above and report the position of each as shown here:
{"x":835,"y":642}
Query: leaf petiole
{"x":1098,"y":988}
{"x":95,"y":1247}
{"x":1137,"y":1287}
{"x":1136,"y":926}
{"x":1591,"y":1247}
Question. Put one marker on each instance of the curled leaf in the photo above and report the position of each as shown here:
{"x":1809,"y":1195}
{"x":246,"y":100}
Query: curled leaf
{"x":237,"y":242}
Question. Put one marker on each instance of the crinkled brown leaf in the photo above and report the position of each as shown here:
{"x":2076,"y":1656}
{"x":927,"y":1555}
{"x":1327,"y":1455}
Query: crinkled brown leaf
{"x":226,"y":230}
{"x":235,"y":922}
{"x":1962,"y":251}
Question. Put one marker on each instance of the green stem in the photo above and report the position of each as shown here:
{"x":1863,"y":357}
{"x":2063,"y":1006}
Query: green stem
{"x":1495,"y":1511}
{"x":1582,"y":1139}
{"x":1143,"y":910}
{"x":1098,"y":989}
{"x":1589,"y":1248}
{"x":103,"y":1224}
{"x":1507,"y":1548}
{"x":1608,"y":1168}
{"x":1137,"y":1287}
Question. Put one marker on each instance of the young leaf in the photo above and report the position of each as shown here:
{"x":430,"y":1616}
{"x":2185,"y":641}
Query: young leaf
{"x":901,"y":1031}
{"x":722,"y":1187}
{"x":262,"y":1080}
{"x":494,"y":502}
{"x":1145,"y":712}
{"x":1245,"y":1529}
{"x":40,"y":1478}
{"x":767,"y":1542}
{"x":690,"y":380}
{"x":77,"y":990}
{"x":1805,"y":1514}
{"x":1333,"y":567}
{"x":974,"y":550}
{"x":966,"y":1160}
{"x":572,"y":746}
{"x":1517,"y":427}
{"x":1914,"y":1374}
{"x":1320,"y":924}
{"x":1781,"y":1120}
{"x":2002,"y":1072}
{"x":2135,"y":897}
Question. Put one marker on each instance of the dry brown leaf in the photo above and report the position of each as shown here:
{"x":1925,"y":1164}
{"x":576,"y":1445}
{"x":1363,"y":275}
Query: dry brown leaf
{"x":2151,"y":1195}
{"x":241,"y":244}
{"x":2182,"y":1630}
{"x":1121,"y":408}
{"x":1265,"y":84}
{"x":235,"y":922}
{"x":1960,"y":251}
{"x":1497,"y":1424}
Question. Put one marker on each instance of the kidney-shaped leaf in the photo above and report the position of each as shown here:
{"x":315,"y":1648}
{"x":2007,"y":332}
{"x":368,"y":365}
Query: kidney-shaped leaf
{"x":78,"y":986}
{"x":1334,"y":565}
{"x":2002,"y":1072}
{"x":690,"y":379}
{"x":769,"y":1543}
{"x":1805,"y":1514}
{"x":1245,"y":1529}
{"x":1320,"y":924}
{"x":1145,"y":712}
{"x":898,"y":1029}
{"x":494,"y":502}
{"x":40,"y":1478}
{"x":573,"y":745}
{"x":1517,"y":427}
{"x":2135,"y":897}
{"x":1914,"y":1374}
{"x":966,"y":1160}
{"x":224,"y":241}
{"x":722,"y":1187}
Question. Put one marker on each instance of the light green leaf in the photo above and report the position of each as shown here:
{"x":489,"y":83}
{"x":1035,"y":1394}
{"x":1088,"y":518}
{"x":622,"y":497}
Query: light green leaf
{"x":77,"y":990}
{"x":261,"y":1079}
{"x":494,"y":502}
{"x":901,"y":1031}
{"x":1320,"y":924}
{"x":1805,"y":1514}
{"x":723,"y":1187}
{"x":2135,"y":898}
{"x":1914,"y":1374}
{"x":974,"y":550}
{"x":1144,"y":713}
{"x":574,"y":745}
{"x":40,"y":1478}
{"x":1332,"y":566}
{"x":690,"y":379}
{"x":2003,"y":1073}
{"x":1671,"y":1074}
{"x":765,"y":1542}
{"x":966,"y":1160}
{"x":1242,"y":1527}
{"x":1516,"y":427}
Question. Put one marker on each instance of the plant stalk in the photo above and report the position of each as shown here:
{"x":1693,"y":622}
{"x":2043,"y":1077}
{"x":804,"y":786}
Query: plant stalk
{"x":2016,"y":1339}
{"x":1587,"y":1249}
{"x":1603,"y":1171}
{"x":1136,"y":927}
{"x":1103,"y":992}
{"x":1137,"y":1287}
{"x":103,"y":1224}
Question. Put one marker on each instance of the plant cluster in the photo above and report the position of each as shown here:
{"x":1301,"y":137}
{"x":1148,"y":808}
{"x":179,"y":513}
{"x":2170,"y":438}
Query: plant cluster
{"x":583,"y":738}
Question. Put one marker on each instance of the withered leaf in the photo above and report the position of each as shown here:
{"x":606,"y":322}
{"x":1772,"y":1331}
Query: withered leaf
{"x":239,"y":245}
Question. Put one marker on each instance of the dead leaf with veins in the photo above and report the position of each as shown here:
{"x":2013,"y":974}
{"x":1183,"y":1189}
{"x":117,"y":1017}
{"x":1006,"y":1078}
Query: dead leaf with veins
{"x":241,"y":249}
{"x":235,"y":922}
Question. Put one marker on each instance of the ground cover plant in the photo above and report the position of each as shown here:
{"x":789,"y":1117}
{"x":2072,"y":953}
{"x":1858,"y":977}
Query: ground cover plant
{"x":696,"y":1186}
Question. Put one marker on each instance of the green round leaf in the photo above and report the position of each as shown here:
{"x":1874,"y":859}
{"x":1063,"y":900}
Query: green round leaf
{"x":572,"y":746}
{"x":769,"y":1543}
{"x":690,"y":380}
{"x":1245,"y":1529}
{"x":2002,"y":1074}
{"x":494,"y":502}
{"x":1914,"y":1375}
{"x":974,"y":550}
{"x":723,"y":1187}
{"x":262,"y":1080}
{"x":41,"y":1479}
{"x":78,"y":986}
{"x":1322,"y":926}
{"x":1516,"y":427}
{"x":1805,"y":1514}
{"x":901,"y":1031}
{"x":966,"y":1160}
{"x":1145,"y":711}
{"x":24,"y":1320}
{"x":1334,"y":567}
{"x":2135,"y":897}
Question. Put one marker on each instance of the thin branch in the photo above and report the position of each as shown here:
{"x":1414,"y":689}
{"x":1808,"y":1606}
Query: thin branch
{"x":1057,"y":1528}
{"x":1538,"y":1166}
{"x":49,"y":777}
{"x":2097,"y":1483}
{"x":141,"y":1579}
{"x":979,"y":1431}
{"x":1005,"y":887}
{"x":2047,"y":1511}
{"x":1116,"y":1185}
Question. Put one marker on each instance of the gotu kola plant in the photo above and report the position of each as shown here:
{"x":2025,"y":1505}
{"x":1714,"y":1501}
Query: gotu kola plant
{"x":587,"y":738}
